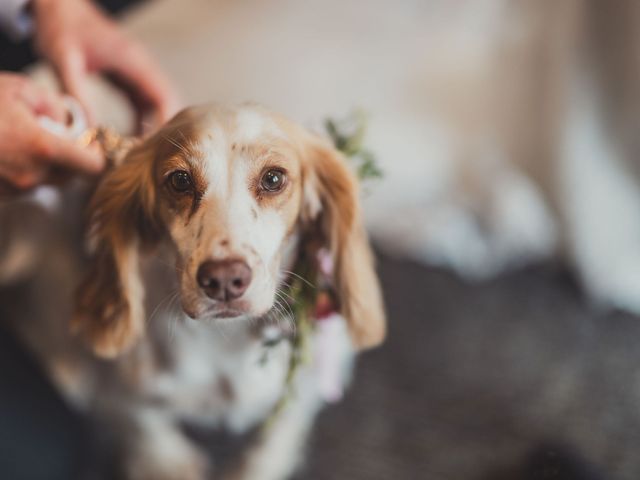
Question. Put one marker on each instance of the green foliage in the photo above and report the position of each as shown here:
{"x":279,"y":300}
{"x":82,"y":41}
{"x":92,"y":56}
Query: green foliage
{"x":302,"y":295}
{"x":348,"y":137}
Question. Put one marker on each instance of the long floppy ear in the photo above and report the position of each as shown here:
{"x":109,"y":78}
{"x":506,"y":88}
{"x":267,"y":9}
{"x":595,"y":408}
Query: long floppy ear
{"x":331,"y":200}
{"x":109,"y":310}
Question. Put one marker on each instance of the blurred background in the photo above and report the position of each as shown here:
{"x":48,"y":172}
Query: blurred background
{"x":507,"y":220}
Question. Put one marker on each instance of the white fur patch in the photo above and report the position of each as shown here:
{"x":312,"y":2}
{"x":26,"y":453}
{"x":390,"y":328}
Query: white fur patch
{"x":265,"y":232}
{"x":260,"y":234}
{"x":251,"y":125}
{"x":215,"y":147}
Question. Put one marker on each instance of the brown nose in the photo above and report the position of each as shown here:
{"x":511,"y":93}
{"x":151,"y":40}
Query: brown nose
{"x":224,"y":279}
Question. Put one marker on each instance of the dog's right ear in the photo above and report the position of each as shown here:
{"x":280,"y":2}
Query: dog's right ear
{"x":109,"y":310}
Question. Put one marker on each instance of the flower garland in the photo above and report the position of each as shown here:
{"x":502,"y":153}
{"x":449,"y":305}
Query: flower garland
{"x":313,"y":302}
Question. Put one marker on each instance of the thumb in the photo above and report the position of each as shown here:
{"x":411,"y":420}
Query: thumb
{"x":73,"y":75}
{"x":67,"y":154}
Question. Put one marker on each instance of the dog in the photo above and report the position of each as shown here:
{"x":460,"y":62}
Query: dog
{"x":183,"y":301}
{"x":505,"y":129}
{"x":533,"y":150}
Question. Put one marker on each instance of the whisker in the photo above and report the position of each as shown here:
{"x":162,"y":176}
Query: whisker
{"x":181,"y":133}
{"x":289,"y":306}
{"x":282,"y":292}
{"x":182,"y":148}
{"x":286,"y":315}
{"x":289,"y":315}
{"x":275,"y":314}
{"x":169,"y":296}
{"x":281,"y":316}
{"x":173,"y":319}
{"x":300,"y":277}
{"x":176,"y":144}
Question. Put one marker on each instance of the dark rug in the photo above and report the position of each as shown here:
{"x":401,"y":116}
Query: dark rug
{"x":516,"y":378}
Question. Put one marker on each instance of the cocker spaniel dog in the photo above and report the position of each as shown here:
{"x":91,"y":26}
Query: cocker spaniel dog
{"x":229,"y":285}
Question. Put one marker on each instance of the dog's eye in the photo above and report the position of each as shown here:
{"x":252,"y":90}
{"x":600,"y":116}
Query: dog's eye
{"x":273,"y":180}
{"x":181,"y":181}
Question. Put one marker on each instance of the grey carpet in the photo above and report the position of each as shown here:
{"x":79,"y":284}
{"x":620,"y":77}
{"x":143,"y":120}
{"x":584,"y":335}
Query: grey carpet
{"x":517,"y":378}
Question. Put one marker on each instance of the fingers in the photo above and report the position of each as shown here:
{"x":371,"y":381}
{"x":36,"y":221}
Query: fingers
{"x":52,"y":160}
{"x":29,"y":154}
{"x":52,"y":149}
{"x":65,"y":153}
{"x":73,"y":74}
{"x":43,"y":102}
{"x":16,"y":180}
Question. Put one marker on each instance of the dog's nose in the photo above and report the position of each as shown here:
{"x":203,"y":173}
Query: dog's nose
{"x":224,"y":279}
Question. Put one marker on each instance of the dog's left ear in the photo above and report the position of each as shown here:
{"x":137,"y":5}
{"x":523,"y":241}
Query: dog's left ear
{"x":331,"y":204}
{"x":109,"y":311}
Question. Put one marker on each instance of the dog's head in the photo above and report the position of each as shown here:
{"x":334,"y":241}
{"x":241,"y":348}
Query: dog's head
{"x":229,"y":188}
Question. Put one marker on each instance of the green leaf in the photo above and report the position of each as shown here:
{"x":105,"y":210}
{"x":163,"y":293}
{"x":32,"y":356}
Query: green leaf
{"x":348,"y":137}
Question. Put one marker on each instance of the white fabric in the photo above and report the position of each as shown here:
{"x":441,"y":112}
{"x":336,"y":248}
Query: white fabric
{"x":14,"y":19}
{"x":74,"y":128}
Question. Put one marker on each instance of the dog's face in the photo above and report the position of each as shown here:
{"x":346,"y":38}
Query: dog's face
{"x":229,"y":195}
{"x":230,"y":188}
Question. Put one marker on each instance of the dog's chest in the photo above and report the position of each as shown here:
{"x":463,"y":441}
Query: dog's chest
{"x":227,"y":375}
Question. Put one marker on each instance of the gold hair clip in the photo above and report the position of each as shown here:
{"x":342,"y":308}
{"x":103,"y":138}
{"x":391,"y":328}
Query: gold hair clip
{"x":113,"y":145}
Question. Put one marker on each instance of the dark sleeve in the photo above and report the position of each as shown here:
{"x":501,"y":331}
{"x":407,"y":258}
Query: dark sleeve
{"x":41,"y":437}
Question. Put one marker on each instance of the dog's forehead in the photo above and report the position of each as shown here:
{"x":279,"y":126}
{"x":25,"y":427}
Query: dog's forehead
{"x":246,"y":125}
{"x":251,"y":125}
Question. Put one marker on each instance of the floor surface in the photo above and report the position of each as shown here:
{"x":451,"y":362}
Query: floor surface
{"x":515,"y":378}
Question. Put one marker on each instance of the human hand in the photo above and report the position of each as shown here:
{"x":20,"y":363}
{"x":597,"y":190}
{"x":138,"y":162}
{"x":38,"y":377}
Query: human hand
{"x":78,"y":40}
{"x":29,"y":154}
